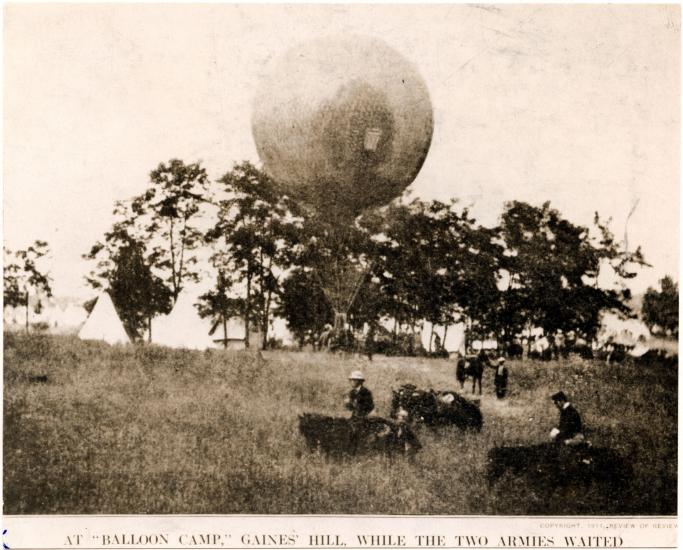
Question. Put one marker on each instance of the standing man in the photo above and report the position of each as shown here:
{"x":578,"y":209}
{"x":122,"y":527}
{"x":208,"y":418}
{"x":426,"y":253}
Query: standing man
{"x":560,"y":345}
{"x":570,"y":430}
{"x":500,"y":381}
{"x":437,"y":344}
{"x":370,"y":341}
{"x":359,"y":399}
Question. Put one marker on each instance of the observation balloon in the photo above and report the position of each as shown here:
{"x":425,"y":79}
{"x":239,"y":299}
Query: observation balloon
{"x":342,"y":124}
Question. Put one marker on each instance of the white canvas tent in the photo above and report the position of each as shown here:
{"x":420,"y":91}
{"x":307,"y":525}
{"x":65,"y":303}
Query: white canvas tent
{"x":279,"y":331}
{"x":622,"y":331}
{"x":67,"y":320}
{"x":72,"y":317}
{"x":453,"y":342}
{"x":183,"y":327}
{"x":387,"y":323}
{"x":104,"y":323}
{"x":233,"y":335}
{"x":488,"y":344}
{"x":12,"y":316}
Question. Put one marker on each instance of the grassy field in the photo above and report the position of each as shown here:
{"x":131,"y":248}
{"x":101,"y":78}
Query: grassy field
{"x":151,"y":430}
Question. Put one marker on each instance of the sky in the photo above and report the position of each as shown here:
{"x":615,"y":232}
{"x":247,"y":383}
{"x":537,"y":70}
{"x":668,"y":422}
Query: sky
{"x":575,"y":104}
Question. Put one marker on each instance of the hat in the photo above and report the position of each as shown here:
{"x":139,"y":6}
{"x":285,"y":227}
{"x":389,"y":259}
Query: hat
{"x":559,"y":396}
{"x":356,"y":375}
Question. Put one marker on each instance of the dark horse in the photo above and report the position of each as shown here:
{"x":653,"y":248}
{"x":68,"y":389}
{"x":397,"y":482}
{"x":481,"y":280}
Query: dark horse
{"x":351,"y":436}
{"x":514,"y":350}
{"x":471,"y":366}
{"x":552,"y":464}
{"x":436,"y":408}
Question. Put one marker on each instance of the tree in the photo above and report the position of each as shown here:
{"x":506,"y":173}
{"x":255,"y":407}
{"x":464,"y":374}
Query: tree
{"x":553,"y":266}
{"x":218,"y":305}
{"x":23,"y":277}
{"x":304,"y":305}
{"x":136,"y":292}
{"x":125,"y":271}
{"x":252,"y":242}
{"x":435,"y":263}
{"x":167,"y":213}
{"x":660,"y":307}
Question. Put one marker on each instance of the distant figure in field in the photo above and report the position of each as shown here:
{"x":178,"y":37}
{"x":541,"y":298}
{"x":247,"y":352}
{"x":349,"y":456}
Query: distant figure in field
{"x":359,"y":400}
{"x":570,"y":430}
{"x":560,"y":345}
{"x":437,"y":343}
{"x":500,"y":380}
{"x":370,"y":341}
{"x":541,"y":349}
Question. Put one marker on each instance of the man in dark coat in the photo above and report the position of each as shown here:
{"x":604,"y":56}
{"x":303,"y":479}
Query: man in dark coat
{"x":570,"y":430}
{"x":500,"y":380}
{"x":370,"y":341}
{"x":359,"y":400}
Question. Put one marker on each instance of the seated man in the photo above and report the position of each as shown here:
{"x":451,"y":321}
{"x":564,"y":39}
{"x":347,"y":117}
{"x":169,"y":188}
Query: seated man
{"x":570,"y":430}
{"x":359,"y":400}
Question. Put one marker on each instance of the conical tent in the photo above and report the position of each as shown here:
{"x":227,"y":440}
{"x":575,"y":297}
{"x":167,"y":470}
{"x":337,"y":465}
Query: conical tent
{"x":73,"y":316}
{"x":280,"y":331}
{"x":104,"y":323}
{"x":183,"y":327}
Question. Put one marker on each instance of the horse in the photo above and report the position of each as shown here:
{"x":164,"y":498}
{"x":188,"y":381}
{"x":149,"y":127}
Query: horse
{"x":470,"y":366}
{"x":435,"y":408}
{"x":323,"y":341}
{"x":552,"y":464}
{"x":583,"y":349}
{"x":351,"y":436}
{"x":514,"y":350}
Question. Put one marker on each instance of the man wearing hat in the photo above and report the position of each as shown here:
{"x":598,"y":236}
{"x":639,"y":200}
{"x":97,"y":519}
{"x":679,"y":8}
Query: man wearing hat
{"x":359,"y":400}
{"x":500,"y":381}
{"x":570,"y":430}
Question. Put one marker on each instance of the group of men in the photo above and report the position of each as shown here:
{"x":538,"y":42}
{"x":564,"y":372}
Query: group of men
{"x":569,"y":432}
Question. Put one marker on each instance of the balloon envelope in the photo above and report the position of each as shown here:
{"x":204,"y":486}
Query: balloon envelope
{"x":342,"y":123}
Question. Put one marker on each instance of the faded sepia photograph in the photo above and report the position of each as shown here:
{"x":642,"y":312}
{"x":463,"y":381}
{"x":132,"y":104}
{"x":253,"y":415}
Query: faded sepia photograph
{"x":341,"y":259}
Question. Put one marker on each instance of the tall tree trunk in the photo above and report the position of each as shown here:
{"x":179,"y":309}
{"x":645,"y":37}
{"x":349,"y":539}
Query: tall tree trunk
{"x":225,"y":331}
{"x":182,"y":253}
{"x":247,"y":310}
{"x":431,"y":338}
{"x":149,"y":328}
{"x":173,"y":273}
{"x":266,"y":316}
{"x":468,"y":335}
{"x":27,"y":306}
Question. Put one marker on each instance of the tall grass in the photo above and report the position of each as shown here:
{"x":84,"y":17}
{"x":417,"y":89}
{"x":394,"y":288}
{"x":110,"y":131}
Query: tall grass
{"x":152,"y":430}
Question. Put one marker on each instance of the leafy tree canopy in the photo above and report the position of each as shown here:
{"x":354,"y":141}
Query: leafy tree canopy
{"x":660,"y":307}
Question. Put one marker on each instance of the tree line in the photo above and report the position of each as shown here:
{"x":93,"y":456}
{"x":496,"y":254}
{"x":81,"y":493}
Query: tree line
{"x":267,"y":255}
{"x":425,"y":260}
